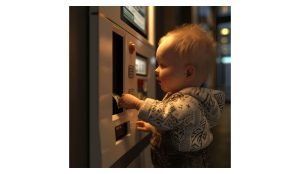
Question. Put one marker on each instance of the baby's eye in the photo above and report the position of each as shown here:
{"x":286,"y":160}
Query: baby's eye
{"x":162,"y":65}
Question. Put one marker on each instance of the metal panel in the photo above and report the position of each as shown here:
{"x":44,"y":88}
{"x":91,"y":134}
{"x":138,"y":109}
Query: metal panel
{"x":104,"y":149}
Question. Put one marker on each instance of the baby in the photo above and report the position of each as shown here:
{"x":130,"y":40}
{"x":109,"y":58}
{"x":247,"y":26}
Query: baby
{"x":181,"y":122}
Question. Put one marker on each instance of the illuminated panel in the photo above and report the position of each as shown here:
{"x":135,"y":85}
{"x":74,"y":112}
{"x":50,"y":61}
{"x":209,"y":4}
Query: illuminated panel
{"x":135,"y":16}
{"x":141,"y":65}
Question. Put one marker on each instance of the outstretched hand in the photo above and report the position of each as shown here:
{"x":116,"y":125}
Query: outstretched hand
{"x":129,"y":101}
{"x":144,"y":126}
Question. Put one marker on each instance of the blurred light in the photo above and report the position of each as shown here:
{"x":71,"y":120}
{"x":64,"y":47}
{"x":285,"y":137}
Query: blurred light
{"x":153,"y":61}
{"x":224,"y":9}
{"x":224,"y":31}
{"x":226,"y":60}
{"x":151,"y":25}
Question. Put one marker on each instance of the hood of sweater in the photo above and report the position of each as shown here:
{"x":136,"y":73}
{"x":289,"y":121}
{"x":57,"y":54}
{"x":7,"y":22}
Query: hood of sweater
{"x":212,"y":101}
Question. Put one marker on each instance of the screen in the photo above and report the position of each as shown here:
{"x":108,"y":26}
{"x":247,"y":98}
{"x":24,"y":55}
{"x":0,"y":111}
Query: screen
{"x":135,"y":16}
{"x":140,"y":65}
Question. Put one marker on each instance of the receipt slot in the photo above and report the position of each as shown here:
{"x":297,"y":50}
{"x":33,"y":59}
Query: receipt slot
{"x":114,"y":50}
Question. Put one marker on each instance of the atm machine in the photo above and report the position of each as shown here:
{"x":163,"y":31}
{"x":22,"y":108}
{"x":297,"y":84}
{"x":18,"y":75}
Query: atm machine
{"x":121,"y":61}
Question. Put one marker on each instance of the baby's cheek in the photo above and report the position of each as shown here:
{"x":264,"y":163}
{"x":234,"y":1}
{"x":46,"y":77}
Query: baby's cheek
{"x":164,"y":79}
{"x":166,"y":75}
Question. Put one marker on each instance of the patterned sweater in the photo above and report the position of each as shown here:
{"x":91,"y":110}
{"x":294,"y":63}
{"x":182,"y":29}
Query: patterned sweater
{"x":183,"y":120}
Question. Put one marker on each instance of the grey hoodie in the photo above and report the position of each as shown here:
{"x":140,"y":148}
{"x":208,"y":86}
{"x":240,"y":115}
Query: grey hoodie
{"x":183,"y":120}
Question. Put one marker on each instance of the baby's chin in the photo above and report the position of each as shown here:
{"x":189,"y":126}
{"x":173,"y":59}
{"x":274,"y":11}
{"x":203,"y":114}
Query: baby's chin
{"x":170,"y":90}
{"x":164,"y":89}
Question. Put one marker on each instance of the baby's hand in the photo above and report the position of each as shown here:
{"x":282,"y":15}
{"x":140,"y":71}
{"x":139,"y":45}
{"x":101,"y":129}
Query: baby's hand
{"x":144,"y":126}
{"x":129,"y":101}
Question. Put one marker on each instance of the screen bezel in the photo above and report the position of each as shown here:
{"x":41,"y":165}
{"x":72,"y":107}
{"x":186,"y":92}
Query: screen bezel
{"x":143,"y":33}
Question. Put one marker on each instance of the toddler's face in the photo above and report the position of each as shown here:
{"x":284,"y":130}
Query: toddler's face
{"x":170,"y":71}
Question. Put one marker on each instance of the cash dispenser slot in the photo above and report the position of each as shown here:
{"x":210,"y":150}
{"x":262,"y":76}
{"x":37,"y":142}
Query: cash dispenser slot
{"x":117,"y":71}
{"x":121,"y":130}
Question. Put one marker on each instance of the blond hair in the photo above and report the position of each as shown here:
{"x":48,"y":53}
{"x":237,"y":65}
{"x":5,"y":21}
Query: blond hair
{"x":194,"y":44}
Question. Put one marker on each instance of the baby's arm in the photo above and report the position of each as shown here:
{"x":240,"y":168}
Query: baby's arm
{"x":162,"y":115}
{"x":169,"y":114}
{"x":129,"y":101}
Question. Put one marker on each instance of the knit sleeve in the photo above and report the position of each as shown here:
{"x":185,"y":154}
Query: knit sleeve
{"x":167,"y":115}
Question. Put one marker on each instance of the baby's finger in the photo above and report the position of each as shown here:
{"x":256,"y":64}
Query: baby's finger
{"x":140,"y":123}
{"x":141,"y":129}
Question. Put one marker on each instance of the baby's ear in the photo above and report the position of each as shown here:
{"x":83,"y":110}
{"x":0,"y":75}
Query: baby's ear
{"x":190,"y":71}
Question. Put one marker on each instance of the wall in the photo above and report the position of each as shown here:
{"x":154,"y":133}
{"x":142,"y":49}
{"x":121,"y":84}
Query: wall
{"x":78,"y":84}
